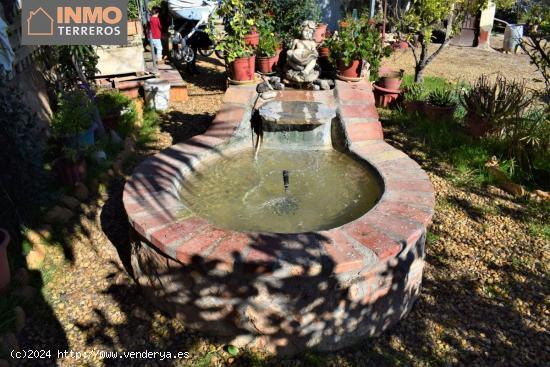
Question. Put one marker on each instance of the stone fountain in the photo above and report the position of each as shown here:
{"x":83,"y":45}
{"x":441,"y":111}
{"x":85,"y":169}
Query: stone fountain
{"x":315,"y":241}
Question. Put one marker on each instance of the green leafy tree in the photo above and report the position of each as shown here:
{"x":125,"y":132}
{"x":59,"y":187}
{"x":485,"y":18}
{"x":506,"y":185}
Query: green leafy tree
{"x":537,"y":45}
{"x":424,"y":16}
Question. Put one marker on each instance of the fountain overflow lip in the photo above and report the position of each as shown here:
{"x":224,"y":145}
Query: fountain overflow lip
{"x":377,"y":258}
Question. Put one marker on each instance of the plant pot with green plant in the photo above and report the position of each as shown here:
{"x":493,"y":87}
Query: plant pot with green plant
{"x":71,"y":125}
{"x":73,"y":121}
{"x":117,"y":111}
{"x":357,"y":43}
{"x":239,"y":53}
{"x":4,"y":264}
{"x":134,"y":23}
{"x":240,"y":59}
{"x":490,"y":104}
{"x":414,"y":99}
{"x":71,"y":167}
{"x":441,"y":104}
{"x":267,"y":51}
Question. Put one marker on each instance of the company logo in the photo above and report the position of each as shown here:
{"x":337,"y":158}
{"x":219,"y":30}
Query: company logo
{"x":75,"y":22}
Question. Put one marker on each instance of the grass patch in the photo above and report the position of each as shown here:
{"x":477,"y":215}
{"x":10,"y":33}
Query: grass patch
{"x":430,"y":82}
{"x":540,"y":230}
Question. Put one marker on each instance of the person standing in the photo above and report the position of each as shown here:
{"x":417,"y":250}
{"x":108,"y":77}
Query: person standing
{"x":156,"y":34}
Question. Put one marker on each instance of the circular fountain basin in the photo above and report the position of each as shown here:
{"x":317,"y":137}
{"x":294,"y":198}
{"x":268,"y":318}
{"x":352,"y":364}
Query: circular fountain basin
{"x":220,"y":244}
{"x":241,"y":192}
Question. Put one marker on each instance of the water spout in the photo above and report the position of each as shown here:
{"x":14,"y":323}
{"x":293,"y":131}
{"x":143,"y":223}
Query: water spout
{"x":286,"y":180}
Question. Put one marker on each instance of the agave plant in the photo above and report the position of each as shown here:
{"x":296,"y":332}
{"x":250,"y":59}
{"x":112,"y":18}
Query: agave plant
{"x":498,"y":103}
{"x":442,"y":97}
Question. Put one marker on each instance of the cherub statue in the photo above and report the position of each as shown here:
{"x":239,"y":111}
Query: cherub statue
{"x":302,"y":57}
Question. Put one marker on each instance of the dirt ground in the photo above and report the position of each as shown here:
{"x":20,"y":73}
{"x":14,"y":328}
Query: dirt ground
{"x":467,"y":63}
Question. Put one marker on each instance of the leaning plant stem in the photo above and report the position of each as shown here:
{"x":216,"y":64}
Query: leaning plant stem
{"x":95,"y":111}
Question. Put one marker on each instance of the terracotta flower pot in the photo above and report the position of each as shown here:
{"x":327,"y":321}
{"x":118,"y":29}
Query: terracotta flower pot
{"x":4,"y":264}
{"x":414,"y":107}
{"x":69,"y":172}
{"x":320,"y":32}
{"x":324,"y":51}
{"x":111,"y":120}
{"x":242,"y":69}
{"x":266,"y":64}
{"x":477,"y":125}
{"x":385,"y":97}
{"x":252,"y":39}
{"x":343,"y":24}
{"x":438,"y":113}
{"x":390,"y":79}
{"x":134,"y":27}
{"x":352,"y":70}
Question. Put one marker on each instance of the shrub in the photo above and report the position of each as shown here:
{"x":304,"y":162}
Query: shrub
{"x":74,"y":115}
{"x":269,"y":42}
{"x":23,"y":176}
{"x":115,"y":103}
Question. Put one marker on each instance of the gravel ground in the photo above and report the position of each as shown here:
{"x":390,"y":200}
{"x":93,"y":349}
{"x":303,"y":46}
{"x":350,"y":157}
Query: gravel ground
{"x":485,"y":298}
{"x":467,"y":64}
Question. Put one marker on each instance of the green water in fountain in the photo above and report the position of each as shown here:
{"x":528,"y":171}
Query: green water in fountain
{"x":326,"y":189}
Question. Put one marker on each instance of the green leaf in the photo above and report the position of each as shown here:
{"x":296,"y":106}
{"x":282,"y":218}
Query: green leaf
{"x":233,"y":350}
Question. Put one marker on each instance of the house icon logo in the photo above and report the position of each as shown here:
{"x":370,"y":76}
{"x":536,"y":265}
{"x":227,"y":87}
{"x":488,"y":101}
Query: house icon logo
{"x":39,"y":23}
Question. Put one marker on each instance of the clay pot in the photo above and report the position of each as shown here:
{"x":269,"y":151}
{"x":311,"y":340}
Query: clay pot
{"x":242,"y":69}
{"x":438,"y":113}
{"x":266,"y":64}
{"x":401,"y":45}
{"x":320,"y":32}
{"x":343,"y":24}
{"x":134,"y":27}
{"x":477,"y":125}
{"x":111,"y":120}
{"x":252,"y":39}
{"x":4,"y":264}
{"x":414,"y":107}
{"x":69,"y":172}
{"x":324,"y":51}
{"x":385,"y":97}
{"x":390,"y":79}
{"x":352,"y":70}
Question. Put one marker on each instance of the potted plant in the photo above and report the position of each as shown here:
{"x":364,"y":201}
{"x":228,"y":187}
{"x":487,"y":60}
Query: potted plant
{"x":391,"y":79}
{"x":73,"y":121}
{"x":252,"y":38}
{"x":4,"y":264}
{"x":134,"y":23}
{"x":355,"y":44}
{"x":114,"y":108}
{"x":268,"y":51}
{"x":71,"y":167}
{"x":490,"y":104}
{"x":239,"y":57}
{"x":413,"y":98}
{"x":441,"y":104}
{"x":73,"y":130}
{"x":238,"y":51}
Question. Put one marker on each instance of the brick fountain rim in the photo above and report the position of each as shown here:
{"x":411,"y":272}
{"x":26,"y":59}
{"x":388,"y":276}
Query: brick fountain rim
{"x":392,"y":230}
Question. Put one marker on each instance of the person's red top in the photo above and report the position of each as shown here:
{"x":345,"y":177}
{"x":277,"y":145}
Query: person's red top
{"x":156,"y":29}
